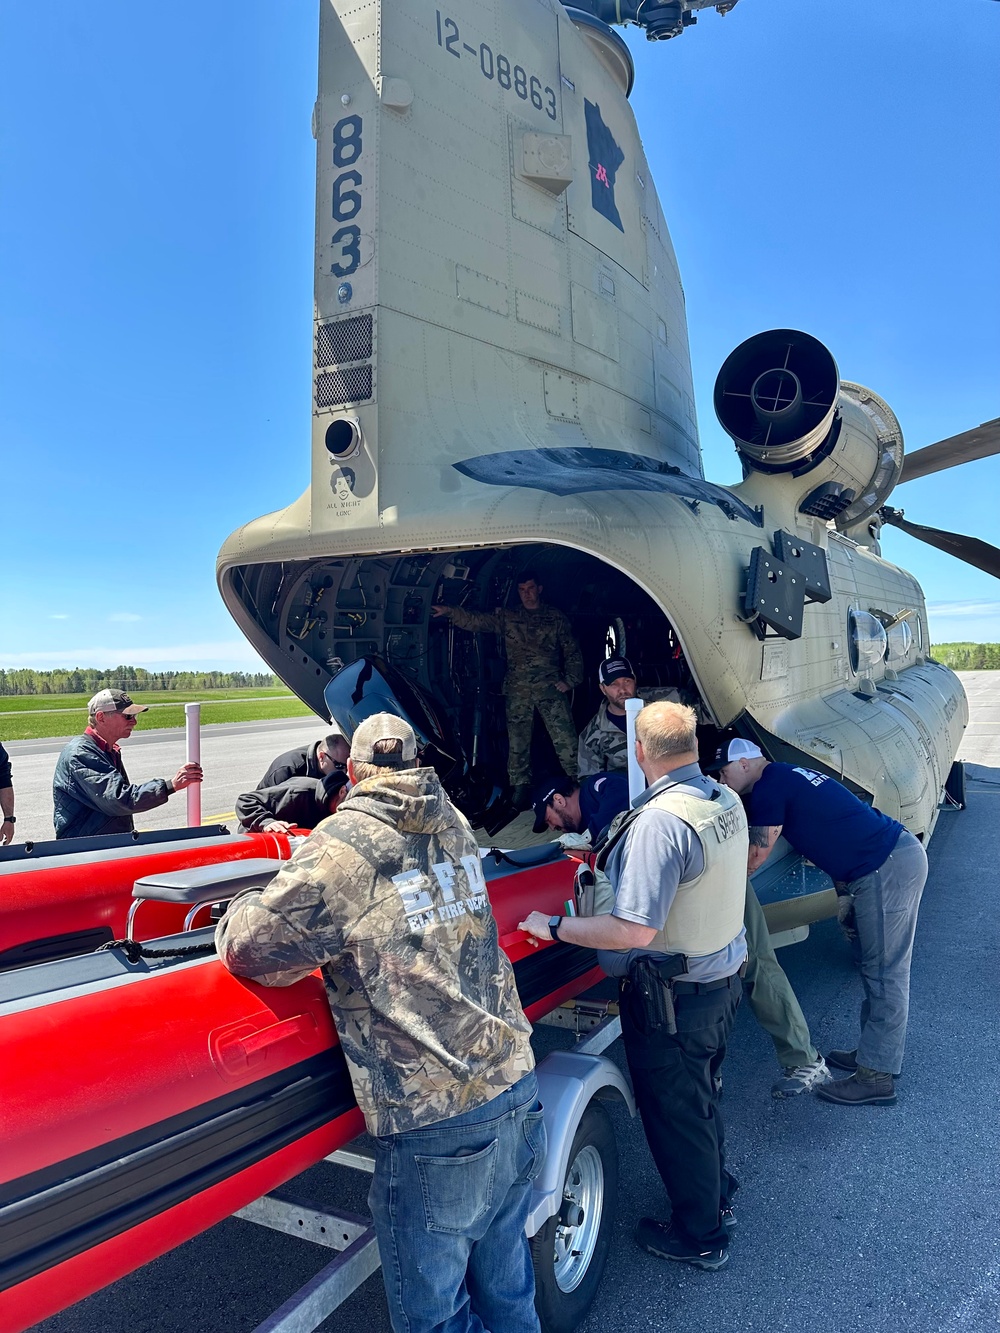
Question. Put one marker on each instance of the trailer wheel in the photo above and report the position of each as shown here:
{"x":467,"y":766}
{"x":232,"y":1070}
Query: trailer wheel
{"x":571,"y":1249}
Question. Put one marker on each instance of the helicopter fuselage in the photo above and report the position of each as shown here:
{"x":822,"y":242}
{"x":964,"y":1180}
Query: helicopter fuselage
{"x":502,"y":376}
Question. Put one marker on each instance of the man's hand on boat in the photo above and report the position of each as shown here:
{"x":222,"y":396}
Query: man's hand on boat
{"x":536,"y":927}
{"x":276,"y":826}
{"x":185,"y":776}
{"x":603,"y":931}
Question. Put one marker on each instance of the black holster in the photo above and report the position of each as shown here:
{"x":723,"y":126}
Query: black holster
{"x":649,"y":987}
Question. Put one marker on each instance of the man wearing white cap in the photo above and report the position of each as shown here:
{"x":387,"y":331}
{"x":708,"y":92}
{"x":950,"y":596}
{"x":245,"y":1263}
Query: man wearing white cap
{"x":388,"y":897}
{"x":869,"y":856}
{"x":91,"y":792}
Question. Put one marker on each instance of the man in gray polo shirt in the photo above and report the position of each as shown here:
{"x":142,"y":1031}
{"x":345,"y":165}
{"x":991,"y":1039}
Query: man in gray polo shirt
{"x":677,"y":863}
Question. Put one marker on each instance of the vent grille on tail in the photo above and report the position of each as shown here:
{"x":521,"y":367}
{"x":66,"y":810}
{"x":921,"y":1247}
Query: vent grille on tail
{"x":353,"y":385}
{"x":347,"y":340}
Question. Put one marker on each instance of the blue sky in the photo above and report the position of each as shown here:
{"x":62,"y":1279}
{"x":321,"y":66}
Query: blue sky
{"x":829,"y":165}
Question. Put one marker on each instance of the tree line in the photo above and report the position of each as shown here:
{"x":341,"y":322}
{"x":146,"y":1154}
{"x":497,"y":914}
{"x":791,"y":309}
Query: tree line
{"x":968,"y":656}
{"x":88,"y":680}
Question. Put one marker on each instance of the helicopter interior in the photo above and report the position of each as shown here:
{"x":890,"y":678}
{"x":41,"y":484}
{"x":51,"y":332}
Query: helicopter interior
{"x":358,"y":635}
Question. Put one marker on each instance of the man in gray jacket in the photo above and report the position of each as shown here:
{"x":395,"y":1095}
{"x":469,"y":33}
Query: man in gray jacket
{"x":91,"y":792}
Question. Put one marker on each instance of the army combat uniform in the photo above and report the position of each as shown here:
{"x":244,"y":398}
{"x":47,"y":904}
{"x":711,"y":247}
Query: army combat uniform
{"x":388,"y":897}
{"x":541,"y":651}
{"x":603,"y":747}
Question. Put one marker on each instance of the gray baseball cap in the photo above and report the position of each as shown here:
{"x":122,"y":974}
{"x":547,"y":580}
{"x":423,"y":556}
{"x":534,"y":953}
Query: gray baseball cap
{"x":114,"y":701}
{"x":384,"y":727}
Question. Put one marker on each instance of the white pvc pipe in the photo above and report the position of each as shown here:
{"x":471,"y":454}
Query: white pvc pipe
{"x":192,"y":724}
{"x":636,"y":777}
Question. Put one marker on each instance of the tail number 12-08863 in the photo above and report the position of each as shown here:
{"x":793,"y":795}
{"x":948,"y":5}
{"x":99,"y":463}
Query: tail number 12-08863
{"x":346,"y":199}
{"x":528,"y":87}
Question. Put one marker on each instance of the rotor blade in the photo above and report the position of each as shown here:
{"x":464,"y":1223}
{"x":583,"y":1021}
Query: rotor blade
{"x":980,"y":442}
{"x":970,"y":549}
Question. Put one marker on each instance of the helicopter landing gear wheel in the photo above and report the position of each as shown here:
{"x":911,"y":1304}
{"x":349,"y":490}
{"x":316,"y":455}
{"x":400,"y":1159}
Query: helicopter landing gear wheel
{"x":571,"y":1249}
{"x":955,"y":786}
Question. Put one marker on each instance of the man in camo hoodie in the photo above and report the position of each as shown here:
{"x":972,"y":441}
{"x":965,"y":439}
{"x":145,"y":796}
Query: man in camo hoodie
{"x":388,"y":897}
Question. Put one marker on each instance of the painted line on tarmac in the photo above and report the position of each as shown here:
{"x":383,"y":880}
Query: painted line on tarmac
{"x":218,"y":819}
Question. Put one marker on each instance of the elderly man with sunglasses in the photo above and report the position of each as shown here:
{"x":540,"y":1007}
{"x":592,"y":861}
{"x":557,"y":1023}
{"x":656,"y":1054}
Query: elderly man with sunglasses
{"x":91,"y":792}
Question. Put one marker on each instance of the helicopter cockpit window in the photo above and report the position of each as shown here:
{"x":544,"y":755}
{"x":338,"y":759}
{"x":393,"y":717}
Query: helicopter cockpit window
{"x":899,"y":641}
{"x":867,"y":639}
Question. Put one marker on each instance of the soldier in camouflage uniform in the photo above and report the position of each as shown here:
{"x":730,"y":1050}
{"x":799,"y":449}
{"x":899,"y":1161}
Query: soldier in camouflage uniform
{"x":388,"y":897}
{"x":543,"y":664}
{"x":603,"y":747}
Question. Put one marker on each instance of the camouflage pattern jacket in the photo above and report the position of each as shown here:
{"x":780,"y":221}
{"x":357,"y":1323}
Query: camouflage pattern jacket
{"x":540,"y":647}
{"x":603,"y":747}
{"x":388,"y":897}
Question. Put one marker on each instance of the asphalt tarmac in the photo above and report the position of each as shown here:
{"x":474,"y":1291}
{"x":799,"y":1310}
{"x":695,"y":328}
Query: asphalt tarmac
{"x":878,"y":1218}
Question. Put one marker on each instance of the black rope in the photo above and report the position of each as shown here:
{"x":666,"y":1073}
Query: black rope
{"x":133,"y":950}
{"x":501,"y":858}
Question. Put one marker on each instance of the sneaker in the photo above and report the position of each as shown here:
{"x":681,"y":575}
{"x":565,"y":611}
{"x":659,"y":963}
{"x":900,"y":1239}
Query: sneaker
{"x":843,"y":1060}
{"x":727,"y":1218}
{"x":877,"y":1090}
{"x":802,"y":1079}
{"x":659,"y":1238}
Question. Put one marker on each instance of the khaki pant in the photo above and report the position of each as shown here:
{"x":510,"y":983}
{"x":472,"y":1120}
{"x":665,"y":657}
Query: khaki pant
{"x":769,"y":992}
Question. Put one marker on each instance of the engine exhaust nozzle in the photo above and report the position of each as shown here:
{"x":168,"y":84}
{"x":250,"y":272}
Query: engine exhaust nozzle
{"x":776,"y":395}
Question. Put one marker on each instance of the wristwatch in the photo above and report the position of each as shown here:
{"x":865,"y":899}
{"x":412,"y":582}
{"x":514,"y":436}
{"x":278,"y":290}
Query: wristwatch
{"x":554,"y":923}
{"x":9,"y":819}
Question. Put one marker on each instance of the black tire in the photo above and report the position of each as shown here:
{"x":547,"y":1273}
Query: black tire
{"x":955,"y":786}
{"x":562,"y":1311}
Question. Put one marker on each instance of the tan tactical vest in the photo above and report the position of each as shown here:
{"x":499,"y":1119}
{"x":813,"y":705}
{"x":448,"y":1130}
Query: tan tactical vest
{"x":707,"y":913}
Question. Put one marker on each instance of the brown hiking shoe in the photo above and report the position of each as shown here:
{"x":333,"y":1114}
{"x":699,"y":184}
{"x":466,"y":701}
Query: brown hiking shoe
{"x":843,"y":1060}
{"x":875,"y":1090}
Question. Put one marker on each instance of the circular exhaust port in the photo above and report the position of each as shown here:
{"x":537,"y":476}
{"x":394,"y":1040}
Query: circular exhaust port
{"x":343,"y":437}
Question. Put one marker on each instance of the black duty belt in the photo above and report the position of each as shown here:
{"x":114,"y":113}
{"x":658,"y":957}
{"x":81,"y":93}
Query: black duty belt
{"x":703,"y":987}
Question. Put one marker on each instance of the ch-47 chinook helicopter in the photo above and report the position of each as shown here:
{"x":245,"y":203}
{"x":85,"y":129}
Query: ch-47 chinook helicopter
{"x":502,"y":377}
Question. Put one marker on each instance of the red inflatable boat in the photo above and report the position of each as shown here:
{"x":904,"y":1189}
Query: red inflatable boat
{"x":69,"y":897}
{"x":144,"y":1101}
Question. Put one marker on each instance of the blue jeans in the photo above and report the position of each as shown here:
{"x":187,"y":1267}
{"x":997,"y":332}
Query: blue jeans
{"x":885,"y":910}
{"x":450,"y":1203}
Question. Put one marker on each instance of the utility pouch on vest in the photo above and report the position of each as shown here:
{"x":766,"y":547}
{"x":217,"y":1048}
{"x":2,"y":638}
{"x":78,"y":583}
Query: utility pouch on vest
{"x":651,"y":996}
{"x":593,"y":892}
{"x":584,"y":882}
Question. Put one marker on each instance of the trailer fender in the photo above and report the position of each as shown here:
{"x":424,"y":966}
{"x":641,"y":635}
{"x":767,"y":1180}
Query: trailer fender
{"x":567,"y":1083}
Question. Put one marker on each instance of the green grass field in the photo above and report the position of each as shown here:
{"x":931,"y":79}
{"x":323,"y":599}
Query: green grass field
{"x":27,"y":717}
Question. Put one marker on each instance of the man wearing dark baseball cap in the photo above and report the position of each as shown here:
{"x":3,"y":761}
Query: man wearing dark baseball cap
{"x":567,"y":806}
{"x":603,"y":746}
{"x":91,"y":792}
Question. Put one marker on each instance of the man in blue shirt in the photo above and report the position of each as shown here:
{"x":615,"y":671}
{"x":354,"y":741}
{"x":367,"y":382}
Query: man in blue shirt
{"x":567,"y":806}
{"x":869,"y":856}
